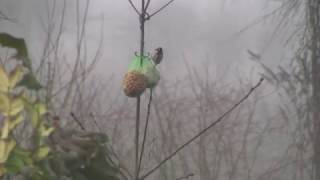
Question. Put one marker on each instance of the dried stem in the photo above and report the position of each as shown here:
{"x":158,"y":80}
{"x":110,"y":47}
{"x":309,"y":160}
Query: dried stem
{"x":145,"y":130}
{"x":134,"y":7}
{"x":204,"y":130}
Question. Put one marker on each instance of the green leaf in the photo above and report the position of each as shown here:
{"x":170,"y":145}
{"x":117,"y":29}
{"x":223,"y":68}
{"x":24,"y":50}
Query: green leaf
{"x":18,"y":160}
{"x":15,"y":163}
{"x":23,"y":153}
{"x":19,"y":45}
{"x":29,"y":81}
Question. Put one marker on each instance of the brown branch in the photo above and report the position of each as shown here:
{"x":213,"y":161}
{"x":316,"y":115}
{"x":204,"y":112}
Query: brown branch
{"x":134,"y":7}
{"x":203,"y":131}
{"x":160,"y":9}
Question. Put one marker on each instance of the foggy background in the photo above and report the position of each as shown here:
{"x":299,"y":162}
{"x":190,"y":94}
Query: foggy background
{"x":194,"y":31}
{"x":212,"y":34}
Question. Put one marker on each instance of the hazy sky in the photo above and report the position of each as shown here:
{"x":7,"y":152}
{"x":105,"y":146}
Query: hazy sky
{"x":200,"y":32}
{"x":196,"y":31}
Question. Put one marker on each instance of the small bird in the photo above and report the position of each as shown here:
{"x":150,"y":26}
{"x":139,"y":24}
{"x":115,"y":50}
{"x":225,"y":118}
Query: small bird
{"x":157,"y":56}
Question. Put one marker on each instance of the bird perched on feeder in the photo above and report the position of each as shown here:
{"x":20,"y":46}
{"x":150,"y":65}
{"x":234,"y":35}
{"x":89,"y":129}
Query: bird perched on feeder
{"x":157,"y":56}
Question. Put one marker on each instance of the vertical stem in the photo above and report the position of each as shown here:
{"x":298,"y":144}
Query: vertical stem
{"x":142,"y":21}
{"x":137,"y":138}
{"x":145,"y":131}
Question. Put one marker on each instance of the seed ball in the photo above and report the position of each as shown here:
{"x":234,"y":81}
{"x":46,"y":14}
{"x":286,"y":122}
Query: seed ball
{"x":134,"y":83}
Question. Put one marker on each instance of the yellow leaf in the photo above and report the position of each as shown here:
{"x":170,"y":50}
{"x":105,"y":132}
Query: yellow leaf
{"x":6,"y":146}
{"x":4,"y":103}
{"x":16,"y":76}
{"x":4,"y":82}
{"x":10,"y":107}
{"x":5,"y":129}
{"x":16,"y":106}
{"x":38,"y":110}
{"x":45,"y":132}
{"x":42,"y":152}
{"x":9,"y":125}
{"x":15,"y":122}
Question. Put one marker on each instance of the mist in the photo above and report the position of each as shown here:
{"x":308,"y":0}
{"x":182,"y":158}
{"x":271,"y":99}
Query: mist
{"x":196,"y":32}
{"x":205,"y":70}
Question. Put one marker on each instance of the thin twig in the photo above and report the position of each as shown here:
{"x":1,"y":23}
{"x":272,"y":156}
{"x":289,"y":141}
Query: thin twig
{"x":145,"y":130}
{"x":160,"y":9}
{"x":95,"y":122}
{"x":147,"y":5}
{"x":137,"y":137}
{"x":142,"y":22}
{"x":134,"y":7}
{"x":4,"y":17}
{"x":203,"y":131}
{"x":77,"y":121}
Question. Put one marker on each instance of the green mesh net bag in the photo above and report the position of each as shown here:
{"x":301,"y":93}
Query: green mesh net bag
{"x":140,"y":76}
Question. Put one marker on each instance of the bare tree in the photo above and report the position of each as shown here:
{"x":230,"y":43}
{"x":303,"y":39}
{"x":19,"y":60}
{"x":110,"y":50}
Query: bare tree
{"x":300,"y":83}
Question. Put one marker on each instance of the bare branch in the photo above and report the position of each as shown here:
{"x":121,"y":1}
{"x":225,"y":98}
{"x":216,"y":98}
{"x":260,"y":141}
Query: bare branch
{"x":77,"y":121}
{"x":204,"y":130}
{"x":258,"y":20}
{"x":160,"y":9}
{"x":147,"y":5}
{"x":134,"y":7}
{"x":145,"y":131}
{"x":142,"y":27}
{"x":5,"y":17}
